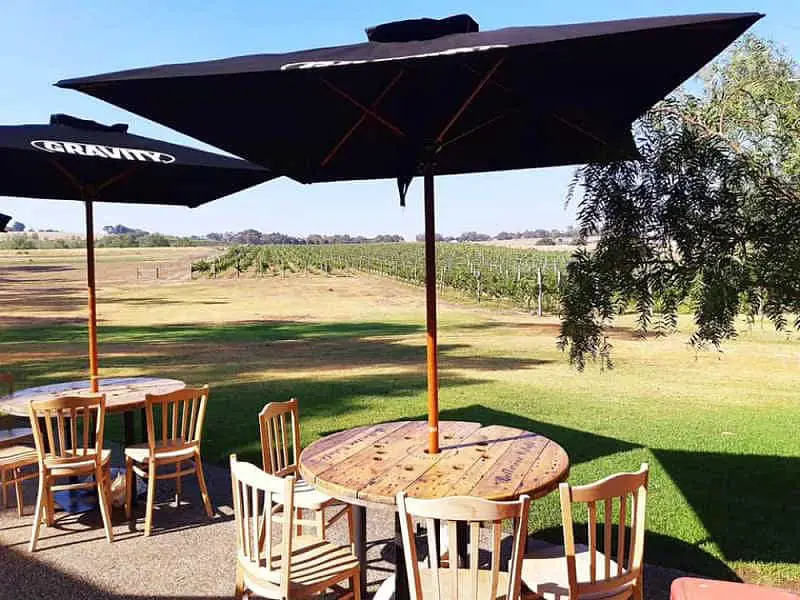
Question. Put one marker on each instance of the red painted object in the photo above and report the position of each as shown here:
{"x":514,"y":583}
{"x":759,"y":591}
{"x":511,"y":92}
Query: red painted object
{"x":690,"y":588}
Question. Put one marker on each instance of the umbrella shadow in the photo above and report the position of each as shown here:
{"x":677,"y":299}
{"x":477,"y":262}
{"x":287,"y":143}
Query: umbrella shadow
{"x":746,"y":503}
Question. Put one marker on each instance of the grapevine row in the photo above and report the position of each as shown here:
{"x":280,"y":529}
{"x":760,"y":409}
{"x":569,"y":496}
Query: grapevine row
{"x":528,"y":278}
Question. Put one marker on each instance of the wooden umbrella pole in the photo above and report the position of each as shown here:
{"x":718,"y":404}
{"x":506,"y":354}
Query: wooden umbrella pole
{"x":430,"y":305}
{"x":92,"y":298}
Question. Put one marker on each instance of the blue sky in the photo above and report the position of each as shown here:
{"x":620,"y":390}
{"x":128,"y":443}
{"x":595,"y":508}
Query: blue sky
{"x":44,"y":41}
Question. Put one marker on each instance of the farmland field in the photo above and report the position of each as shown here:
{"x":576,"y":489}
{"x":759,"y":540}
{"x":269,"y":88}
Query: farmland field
{"x":719,"y":430}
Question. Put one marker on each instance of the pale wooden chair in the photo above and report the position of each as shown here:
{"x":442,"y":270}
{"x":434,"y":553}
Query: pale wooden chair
{"x":169,"y":447}
{"x":474,"y":582}
{"x":574,"y":574}
{"x":67,"y":448}
{"x":17,"y":454}
{"x":314,"y":565}
{"x":279,"y":424}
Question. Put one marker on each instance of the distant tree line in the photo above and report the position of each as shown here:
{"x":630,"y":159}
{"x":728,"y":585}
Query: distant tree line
{"x":256,"y":238}
{"x":546,"y":237}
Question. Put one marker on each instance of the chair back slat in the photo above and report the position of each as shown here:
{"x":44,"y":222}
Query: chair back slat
{"x":181,"y":419}
{"x":474,"y":581}
{"x":279,"y":426}
{"x":55,"y":429}
{"x":616,"y":493}
{"x":256,"y":496}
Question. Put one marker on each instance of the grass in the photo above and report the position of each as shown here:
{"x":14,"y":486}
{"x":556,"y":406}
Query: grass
{"x":719,"y":430}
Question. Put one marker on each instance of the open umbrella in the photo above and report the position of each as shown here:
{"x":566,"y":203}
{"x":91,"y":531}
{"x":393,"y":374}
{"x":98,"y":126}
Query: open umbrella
{"x":76,"y":159}
{"x":430,"y":97}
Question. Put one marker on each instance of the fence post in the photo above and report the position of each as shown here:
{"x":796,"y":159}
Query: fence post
{"x":541,"y":290}
{"x":156,"y":270}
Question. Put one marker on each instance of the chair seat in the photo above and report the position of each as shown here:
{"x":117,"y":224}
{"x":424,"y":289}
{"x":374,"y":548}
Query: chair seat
{"x":305,"y":496}
{"x":18,"y":456}
{"x":315,"y":565}
{"x":464,"y":584}
{"x":140,"y":453}
{"x":544,"y":572}
{"x":58,"y":468}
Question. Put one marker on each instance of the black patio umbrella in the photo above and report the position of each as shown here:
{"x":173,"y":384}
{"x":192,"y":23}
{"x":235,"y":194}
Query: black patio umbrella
{"x":76,"y":159}
{"x":428,"y":97}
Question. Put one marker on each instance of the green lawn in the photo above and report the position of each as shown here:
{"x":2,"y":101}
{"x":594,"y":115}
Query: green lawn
{"x":720,"y":431}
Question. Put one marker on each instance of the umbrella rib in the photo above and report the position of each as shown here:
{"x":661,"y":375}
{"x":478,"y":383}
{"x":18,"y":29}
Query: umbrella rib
{"x":579,"y":129}
{"x":66,"y":173}
{"x":118,"y":177}
{"x":367,"y":111}
{"x":486,"y":123}
{"x":481,"y":84}
{"x":361,"y":119}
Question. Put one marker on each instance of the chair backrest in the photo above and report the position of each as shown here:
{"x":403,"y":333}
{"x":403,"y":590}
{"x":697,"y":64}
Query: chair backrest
{"x":279,"y":424}
{"x":473,"y":583}
{"x":175,"y":420}
{"x":628,"y":491}
{"x":7,"y":380}
{"x":256,"y":495}
{"x":68,"y":429}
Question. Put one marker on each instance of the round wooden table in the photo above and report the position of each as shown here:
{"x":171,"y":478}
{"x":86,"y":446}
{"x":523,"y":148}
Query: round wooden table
{"x":367,"y":467}
{"x":123,"y":395}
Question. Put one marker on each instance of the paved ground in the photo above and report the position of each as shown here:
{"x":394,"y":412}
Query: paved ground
{"x":188,"y":556}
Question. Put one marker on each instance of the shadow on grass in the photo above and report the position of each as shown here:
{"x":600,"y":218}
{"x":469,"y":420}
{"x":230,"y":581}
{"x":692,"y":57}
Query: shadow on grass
{"x":749,"y":504}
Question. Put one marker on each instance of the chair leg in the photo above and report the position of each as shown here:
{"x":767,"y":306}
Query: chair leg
{"x":351,"y":529}
{"x":50,"y":504}
{"x":355,"y":585}
{"x":3,"y":484}
{"x":239,"y":593}
{"x":151,"y":492}
{"x":103,"y":496}
{"x":130,"y":482}
{"x":37,"y":515}
{"x":18,"y":490}
{"x":178,"y":485}
{"x":201,"y":480}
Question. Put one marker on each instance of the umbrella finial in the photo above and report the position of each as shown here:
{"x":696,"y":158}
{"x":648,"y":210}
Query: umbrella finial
{"x":421,"y":29}
{"x":86,"y":124}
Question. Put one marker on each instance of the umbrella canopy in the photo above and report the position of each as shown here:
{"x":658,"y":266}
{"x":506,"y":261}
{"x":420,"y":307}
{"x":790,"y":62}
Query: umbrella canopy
{"x":430,"y":97}
{"x":76,"y":159}
{"x":513,"y":98}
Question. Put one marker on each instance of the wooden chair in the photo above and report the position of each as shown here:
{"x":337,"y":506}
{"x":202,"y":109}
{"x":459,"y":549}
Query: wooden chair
{"x":475,"y":582}
{"x":577,"y":577}
{"x":279,"y":424}
{"x":313,"y":566}
{"x":68,"y":433}
{"x":16,"y":452}
{"x":175,"y":443}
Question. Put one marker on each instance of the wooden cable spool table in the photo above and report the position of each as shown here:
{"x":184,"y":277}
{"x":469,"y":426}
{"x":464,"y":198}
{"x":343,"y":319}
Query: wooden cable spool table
{"x":368,"y":466}
{"x":123,"y":395}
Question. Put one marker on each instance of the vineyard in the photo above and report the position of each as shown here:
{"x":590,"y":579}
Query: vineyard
{"x":530,"y":279}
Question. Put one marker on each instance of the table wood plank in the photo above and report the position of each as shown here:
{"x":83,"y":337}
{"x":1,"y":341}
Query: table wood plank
{"x":546,"y":472}
{"x":407,"y":469}
{"x":338,"y":447}
{"x":502,"y":481}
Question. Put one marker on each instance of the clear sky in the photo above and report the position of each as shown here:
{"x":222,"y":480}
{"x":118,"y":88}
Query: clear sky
{"x":47,"y":40}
